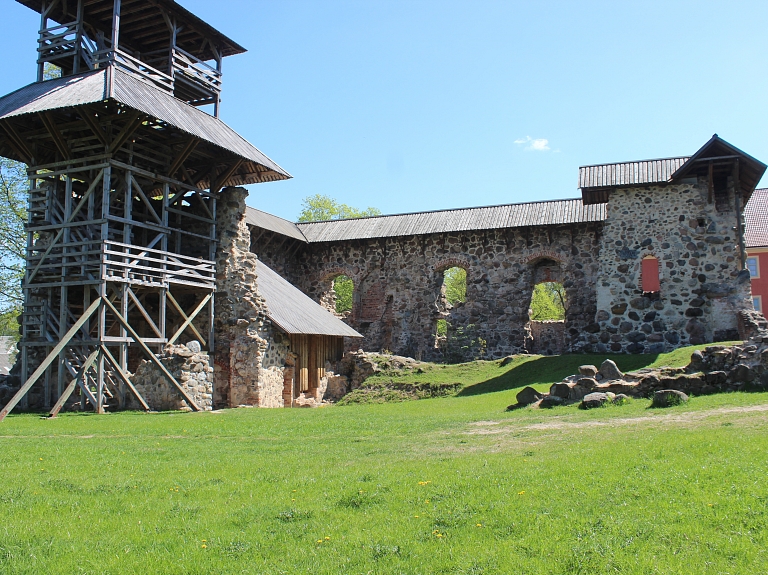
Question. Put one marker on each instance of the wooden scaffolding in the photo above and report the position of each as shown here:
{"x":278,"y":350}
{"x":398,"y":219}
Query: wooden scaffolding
{"x":124,"y":175}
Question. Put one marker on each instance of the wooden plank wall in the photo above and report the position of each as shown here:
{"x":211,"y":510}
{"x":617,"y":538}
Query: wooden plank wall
{"x":313,"y":352}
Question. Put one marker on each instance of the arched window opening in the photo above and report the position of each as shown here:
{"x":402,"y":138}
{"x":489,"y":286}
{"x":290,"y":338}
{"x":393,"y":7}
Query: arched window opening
{"x":343,"y":286}
{"x":650,"y":275}
{"x":455,"y":285}
{"x":547,"y":311}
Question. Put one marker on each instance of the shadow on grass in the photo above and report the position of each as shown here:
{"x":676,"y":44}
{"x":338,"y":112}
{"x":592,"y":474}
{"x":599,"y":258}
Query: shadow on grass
{"x":551,"y":369}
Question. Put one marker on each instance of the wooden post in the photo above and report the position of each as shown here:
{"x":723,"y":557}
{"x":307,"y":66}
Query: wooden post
{"x":116,"y":25}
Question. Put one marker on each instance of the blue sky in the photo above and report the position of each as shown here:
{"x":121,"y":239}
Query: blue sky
{"x":421,"y":105}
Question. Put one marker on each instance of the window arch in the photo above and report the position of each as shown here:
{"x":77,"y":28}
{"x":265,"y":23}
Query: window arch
{"x":649,"y":277}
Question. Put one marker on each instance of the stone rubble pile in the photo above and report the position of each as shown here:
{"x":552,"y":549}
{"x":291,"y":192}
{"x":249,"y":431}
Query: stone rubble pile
{"x":357,"y":366}
{"x":189,"y":366}
{"x":716,"y":369}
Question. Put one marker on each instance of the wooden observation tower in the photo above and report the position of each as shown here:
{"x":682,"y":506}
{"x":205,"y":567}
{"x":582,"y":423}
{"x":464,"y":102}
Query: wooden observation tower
{"x":124,"y":172}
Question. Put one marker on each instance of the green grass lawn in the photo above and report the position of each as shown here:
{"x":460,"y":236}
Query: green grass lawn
{"x":454,"y":485}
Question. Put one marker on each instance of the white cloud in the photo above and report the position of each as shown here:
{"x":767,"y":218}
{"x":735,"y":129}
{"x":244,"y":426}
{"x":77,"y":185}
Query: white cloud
{"x":534,"y":144}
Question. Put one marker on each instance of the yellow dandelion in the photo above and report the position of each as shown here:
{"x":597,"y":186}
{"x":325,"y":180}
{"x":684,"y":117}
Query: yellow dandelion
{"x":204,"y":546}
{"x":204,"y":540}
{"x":479,"y":525}
{"x":426,"y":501}
{"x":327,"y":538}
{"x":294,"y":491}
{"x":319,"y":540}
{"x":41,"y":459}
{"x":416,"y":516}
{"x":439,"y":535}
{"x":521,"y":492}
{"x":710,"y":504}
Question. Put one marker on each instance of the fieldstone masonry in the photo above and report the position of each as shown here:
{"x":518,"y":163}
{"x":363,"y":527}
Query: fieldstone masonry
{"x":702,"y":285}
{"x":250,"y":354}
{"x":189,"y":366}
{"x":398,"y":298}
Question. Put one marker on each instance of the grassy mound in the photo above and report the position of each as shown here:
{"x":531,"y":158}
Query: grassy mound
{"x":479,"y":377}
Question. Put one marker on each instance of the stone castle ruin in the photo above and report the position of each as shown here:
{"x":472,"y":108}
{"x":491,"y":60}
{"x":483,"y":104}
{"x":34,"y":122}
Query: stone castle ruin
{"x":150,"y":284}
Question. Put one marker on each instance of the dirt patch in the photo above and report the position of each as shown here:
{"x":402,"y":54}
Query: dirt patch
{"x":495,"y":427}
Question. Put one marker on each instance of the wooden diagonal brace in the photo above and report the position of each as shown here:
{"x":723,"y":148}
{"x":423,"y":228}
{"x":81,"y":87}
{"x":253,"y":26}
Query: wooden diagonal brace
{"x":152,"y":357}
{"x":144,"y":313}
{"x":188,"y":320}
{"x":53,"y":131}
{"x":18,"y":144}
{"x":72,"y":384}
{"x":124,"y":376}
{"x":225,"y":175}
{"x":134,"y":122}
{"x":94,"y":125}
{"x":50,"y":359}
{"x":183,"y":155}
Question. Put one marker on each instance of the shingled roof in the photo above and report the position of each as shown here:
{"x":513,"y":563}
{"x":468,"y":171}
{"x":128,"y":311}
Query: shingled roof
{"x":294,"y":312}
{"x":756,"y":219}
{"x":440,"y":221}
{"x":99,"y":85}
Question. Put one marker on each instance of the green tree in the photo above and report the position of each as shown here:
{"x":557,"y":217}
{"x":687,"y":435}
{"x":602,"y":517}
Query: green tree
{"x":548,"y":302}
{"x":13,"y":215}
{"x":343,"y":286}
{"x":455,"y":282}
{"x":319,"y":208}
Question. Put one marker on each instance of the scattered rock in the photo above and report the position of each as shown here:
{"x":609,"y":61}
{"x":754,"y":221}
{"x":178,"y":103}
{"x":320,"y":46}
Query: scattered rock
{"x":528,"y":396}
{"x":595,"y":399}
{"x":550,"y":401}
{"x":609,"y":370}
{"x":588,"y":370}
{"x":507,"y":360}
{"x":621,"y":399}
{"x":668,"y":398}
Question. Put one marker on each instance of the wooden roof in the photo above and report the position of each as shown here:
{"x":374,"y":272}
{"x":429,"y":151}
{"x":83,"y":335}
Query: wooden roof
{"x":143,"y":27}
{"x":21,"y":111}
{"x":597,"y":181}
{"x":294,"y":312}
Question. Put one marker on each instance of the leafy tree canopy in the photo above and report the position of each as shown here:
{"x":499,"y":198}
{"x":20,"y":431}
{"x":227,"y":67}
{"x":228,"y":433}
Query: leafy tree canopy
{"x":13,"y":215}
{"x":343,"y":286}
{"x":320,"y":208}
{"x":548,"y":302}
{"x":455,"y":283}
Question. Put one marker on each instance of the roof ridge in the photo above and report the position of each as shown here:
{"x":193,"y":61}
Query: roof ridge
{"x":636,"y":161}
{"x":438,"y":211}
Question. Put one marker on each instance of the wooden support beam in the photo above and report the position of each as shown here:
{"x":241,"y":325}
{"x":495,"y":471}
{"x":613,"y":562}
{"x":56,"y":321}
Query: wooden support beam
{"x":72,"y":385}
{"x":49,"y":359}
{"x":222,"y":178}
{"x":18,"y":143}
{"x":152,"y":357}
{"x":188,"y":320}
{"x":133,"y":123}
{"x":53,"y":131}
{"x":93,"y":124}
{"x":182,"y":157}
{"x":124,"y":376}
{"x":144,"y":313}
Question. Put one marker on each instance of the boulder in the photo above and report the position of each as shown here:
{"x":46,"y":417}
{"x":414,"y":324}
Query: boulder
{"x":561,"y":390}
{"x":507,"y":360}
{"x":592,"y":400}
{"x":550,"y":401}
{"x":668,"y":398}
{"x":528,"y":396}
{"x":742,"y":374}
{"x":194,"y":346}
{"x":697,"y":361}
{"x":609,"y":370}
{"x":589,"y":383}
{"x":620,"y":399}
{"x":588,"y":370}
